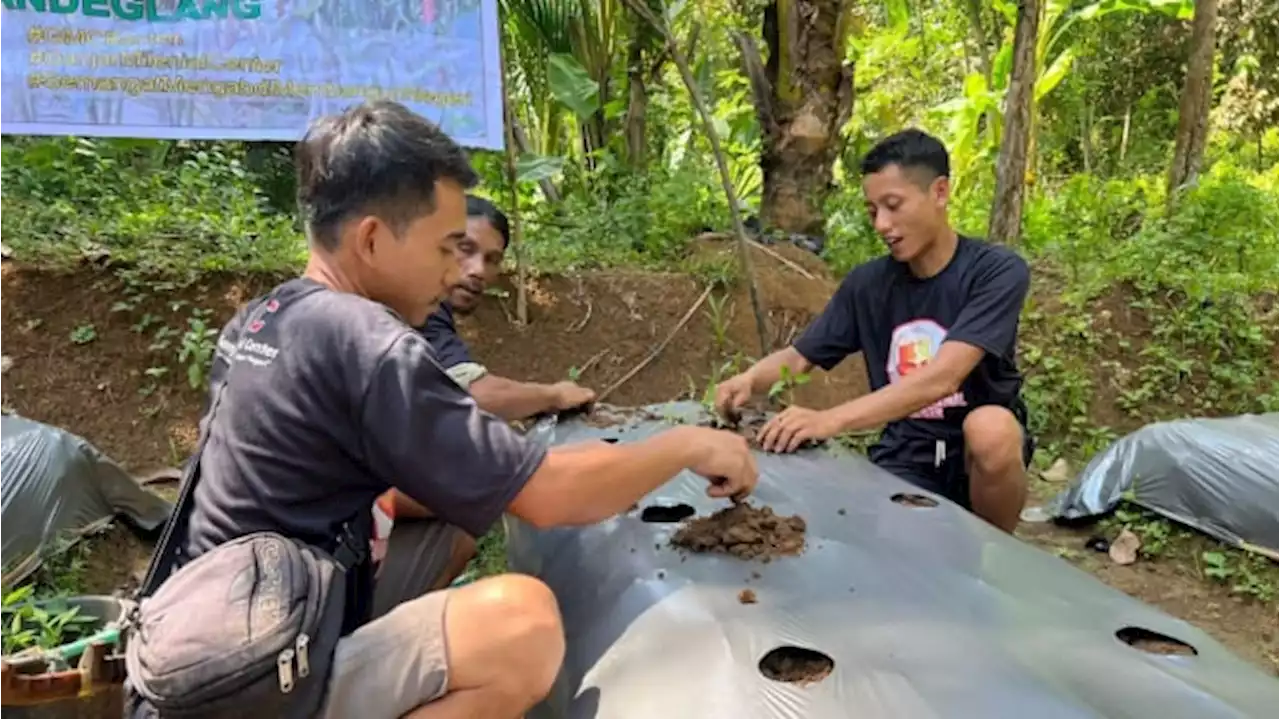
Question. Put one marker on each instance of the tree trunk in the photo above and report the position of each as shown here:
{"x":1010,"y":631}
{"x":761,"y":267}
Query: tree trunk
{"x":637,"y":105}
{"x":803,"y":97}
{"x":645,"y":60}
{"x":1011,"y":168}
{"x":979,"y":31}
{"x":1086,"y":139}
{"x":1193,"y":111}
{"x":974,"y":11}
{"x":1124,"y":134}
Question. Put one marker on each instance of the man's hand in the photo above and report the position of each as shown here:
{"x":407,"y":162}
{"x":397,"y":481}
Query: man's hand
{"x":725,"y":459}
{"x":570,"y":395}
{"x":792,"y":426}
{"x":731,"y":394}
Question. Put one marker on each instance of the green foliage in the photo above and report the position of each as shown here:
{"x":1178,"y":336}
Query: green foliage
{"x":787,"y":383}
{"x":625,"y":219}
{"x":718,"y":318}
{"x":163,"y":208}
{"x":572,"y":85}
{"x":491,"y":554}
{"x":84,"y":334}
{"x":1156,"y":533}
{"x":27,"y":623}
{"x":1247,"y":574}
{"x":197,"y":347}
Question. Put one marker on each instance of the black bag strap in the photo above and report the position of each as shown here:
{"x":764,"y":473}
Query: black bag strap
{"x":169,"y":550}
{"x":349,"y":548}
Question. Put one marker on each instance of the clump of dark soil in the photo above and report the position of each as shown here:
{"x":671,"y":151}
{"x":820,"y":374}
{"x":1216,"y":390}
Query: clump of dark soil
{"x":748,"y":423}
{"x":796,"y":665}
{"x":745,"y":532}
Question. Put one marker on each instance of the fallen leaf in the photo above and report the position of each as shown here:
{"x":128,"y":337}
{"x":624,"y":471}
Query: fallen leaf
{"x":1058,"y":472}
{"x":1124,"y":549}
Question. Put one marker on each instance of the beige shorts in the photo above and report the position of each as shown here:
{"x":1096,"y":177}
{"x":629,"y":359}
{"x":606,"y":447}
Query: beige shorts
{"x":398,"y":660}
{"x":466,"y":373}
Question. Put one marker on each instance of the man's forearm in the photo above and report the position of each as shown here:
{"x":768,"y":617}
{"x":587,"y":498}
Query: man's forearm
{"x":895,"y":401}
{"x":512,"y":400}
{"x":580,"y":484}
{"x":769,"y":370}
{"x":936,"y":380}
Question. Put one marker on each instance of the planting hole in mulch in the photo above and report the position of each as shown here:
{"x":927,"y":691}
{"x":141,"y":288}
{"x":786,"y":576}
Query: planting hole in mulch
{"x":609,"y":440}
{"x":1154,"y":642}
{"x":913,"y":500}
{"x":663,"y":513}
{"x":796,"y":665}
{"x":745,"y":532}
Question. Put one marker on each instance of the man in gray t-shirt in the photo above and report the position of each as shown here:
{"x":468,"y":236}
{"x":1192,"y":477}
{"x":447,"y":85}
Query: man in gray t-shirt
{"x":329,"y":397}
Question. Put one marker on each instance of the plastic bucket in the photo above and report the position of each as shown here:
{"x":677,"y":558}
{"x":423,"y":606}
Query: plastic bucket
{"x":56,"y":695}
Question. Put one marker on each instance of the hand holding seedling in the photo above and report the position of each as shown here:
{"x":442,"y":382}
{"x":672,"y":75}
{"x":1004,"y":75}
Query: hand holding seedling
{"x":570,"y":396}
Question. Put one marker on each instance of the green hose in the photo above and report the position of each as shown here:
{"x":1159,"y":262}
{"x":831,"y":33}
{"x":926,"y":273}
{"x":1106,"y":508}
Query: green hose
{"x":67,"y":652}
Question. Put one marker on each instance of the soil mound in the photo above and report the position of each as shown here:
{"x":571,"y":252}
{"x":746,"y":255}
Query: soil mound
{"x":745,"y":532}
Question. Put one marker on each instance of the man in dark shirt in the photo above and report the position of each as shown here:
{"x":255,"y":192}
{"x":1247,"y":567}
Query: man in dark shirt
{"x":937,"y":323}
{"x":421,"y":549}
{"x":329,"y":397}
{"x":481,"y":253}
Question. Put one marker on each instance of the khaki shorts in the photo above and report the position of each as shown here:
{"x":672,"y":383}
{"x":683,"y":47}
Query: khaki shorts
{"x":466,"y":373}
{"x":398,"y":660}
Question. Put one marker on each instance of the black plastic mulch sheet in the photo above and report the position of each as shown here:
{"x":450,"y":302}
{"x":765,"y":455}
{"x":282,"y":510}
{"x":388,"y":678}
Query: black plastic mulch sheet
{"x":1220,"y":476}
{"x":57,"y":487}
{"x":923,"y":611}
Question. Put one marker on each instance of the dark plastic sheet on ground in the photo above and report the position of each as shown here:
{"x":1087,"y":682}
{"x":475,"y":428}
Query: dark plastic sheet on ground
{"x":926,"y":612}
{"x":56,"y":486}
{"x":1220,"y":476}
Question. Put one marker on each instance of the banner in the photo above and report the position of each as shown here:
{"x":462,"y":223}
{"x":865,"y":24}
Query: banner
{"x":245,"y":69}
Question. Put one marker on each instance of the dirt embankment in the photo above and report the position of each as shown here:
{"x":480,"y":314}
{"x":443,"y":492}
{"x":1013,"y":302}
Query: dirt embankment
{"x":83,"y":361}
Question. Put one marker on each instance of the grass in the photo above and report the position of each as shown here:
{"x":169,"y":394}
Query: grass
{"x":491,"y":554}
{"x":1246,"y":574}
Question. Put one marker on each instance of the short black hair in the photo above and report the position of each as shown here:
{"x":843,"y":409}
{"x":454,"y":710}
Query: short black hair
{"x":909,"y":149}
{"x":480,"y":207}
{"x":377,"y":157}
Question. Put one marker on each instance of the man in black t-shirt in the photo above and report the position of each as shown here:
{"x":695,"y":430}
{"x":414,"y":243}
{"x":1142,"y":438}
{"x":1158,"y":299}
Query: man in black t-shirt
{"x":326,"y":396}
{"x":481,"y":253}
{"x":937,"y":323}
{"x":419,"y":549}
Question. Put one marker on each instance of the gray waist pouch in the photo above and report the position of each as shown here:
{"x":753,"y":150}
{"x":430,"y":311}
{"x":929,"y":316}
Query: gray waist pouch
{"x":248,"y":628}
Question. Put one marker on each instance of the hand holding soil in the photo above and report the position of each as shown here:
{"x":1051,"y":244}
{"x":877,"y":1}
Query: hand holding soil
{"x":570,"y":396}
{"x":725,"y":459}
{"x":731,"y":395}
